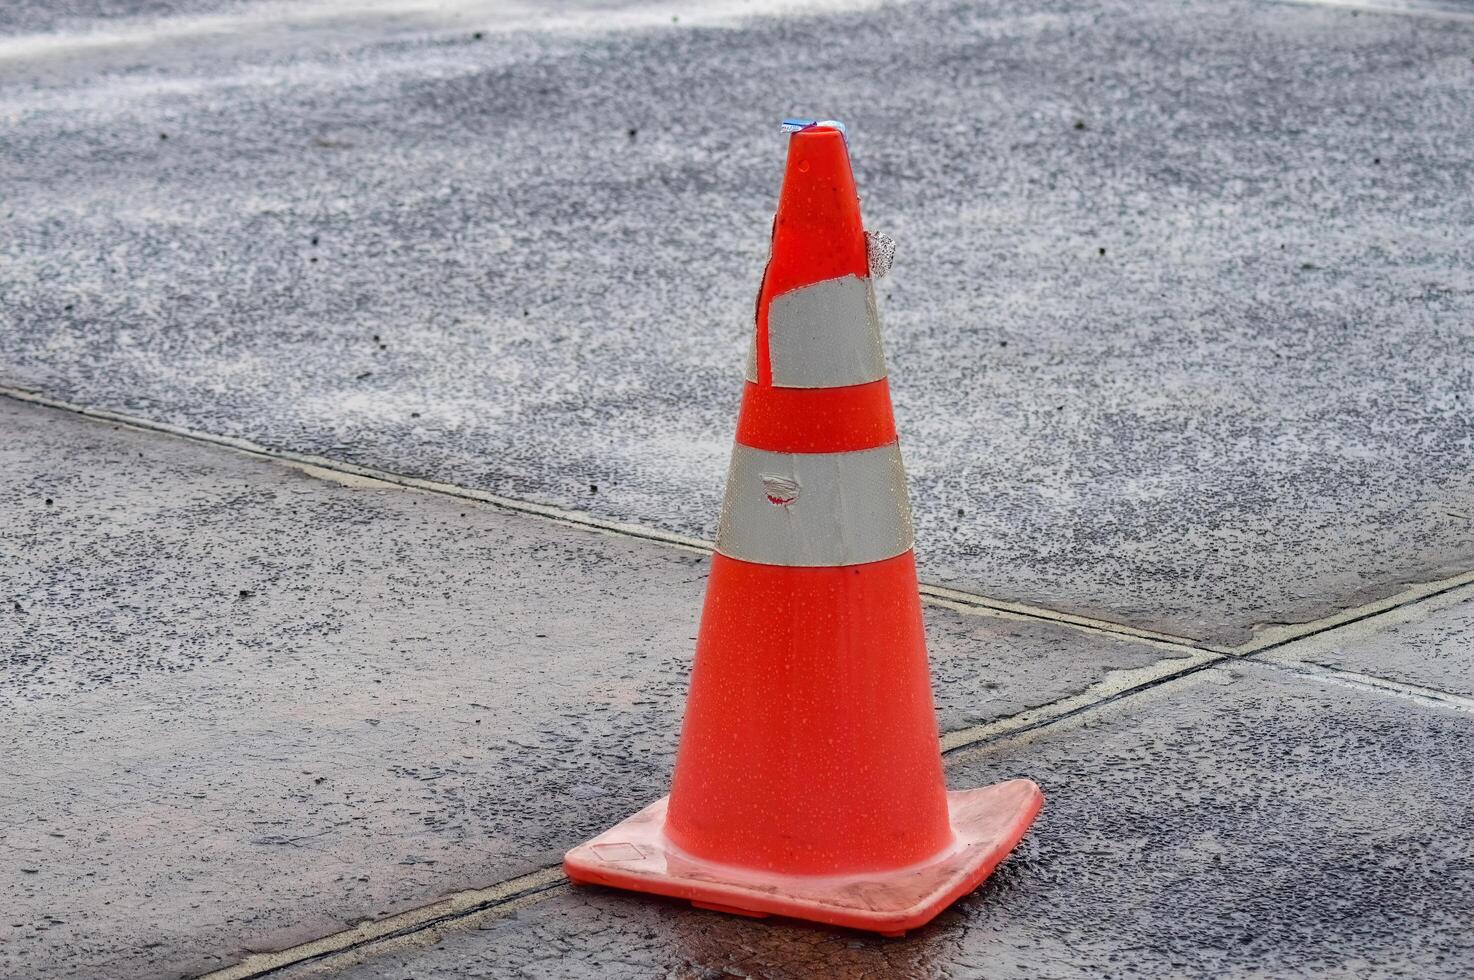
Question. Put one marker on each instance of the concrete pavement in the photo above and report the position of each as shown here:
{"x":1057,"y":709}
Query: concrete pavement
{"x":246,"y":706}
{"x":251,"y":704}
{"x":1177,"y":325}
{"x":1179,"y":333}
{"x":1238,"y":822}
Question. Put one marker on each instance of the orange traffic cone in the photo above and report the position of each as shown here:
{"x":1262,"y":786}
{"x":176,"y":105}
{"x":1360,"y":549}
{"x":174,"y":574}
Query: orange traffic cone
{"x":809,"y":778}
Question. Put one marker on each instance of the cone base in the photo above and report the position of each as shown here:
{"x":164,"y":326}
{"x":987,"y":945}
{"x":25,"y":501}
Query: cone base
{"x":988,"y":822}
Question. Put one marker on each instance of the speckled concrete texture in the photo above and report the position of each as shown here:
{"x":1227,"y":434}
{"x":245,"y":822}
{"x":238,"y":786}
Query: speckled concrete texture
{"x":1430,"y":645}
{"x":241,"y":706}
{"x":1178,"y":328}
{"x":1239,"y":822}
{"x":1180,"y":337}
{"x":21,"y":17}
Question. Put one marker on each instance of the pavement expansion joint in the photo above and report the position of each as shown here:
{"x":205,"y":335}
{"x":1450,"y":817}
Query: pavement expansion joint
{"x":423,"y":925}
{"x":1117,"y":685}
{"x":1435,"y":9}
{"x":974,"y":604}
{"x":462,"y":905}
{"x":958,"y":600}
{"x":1282,"y":647}
{"x":1427,"y":696}
{"x":323,"y":467}
{"x":1277,"y":637}
{"x":420,"y":926}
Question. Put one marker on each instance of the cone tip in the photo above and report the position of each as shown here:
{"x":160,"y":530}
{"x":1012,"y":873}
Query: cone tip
{"x":794,"y":127}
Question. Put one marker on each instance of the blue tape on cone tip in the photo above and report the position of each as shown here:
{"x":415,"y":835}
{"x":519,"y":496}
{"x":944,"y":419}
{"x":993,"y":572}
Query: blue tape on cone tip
{"x":798,"y":125}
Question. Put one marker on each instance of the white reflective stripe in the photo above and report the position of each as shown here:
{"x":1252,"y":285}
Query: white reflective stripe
{"x":815,"y":509}
{"x":823,"y":336}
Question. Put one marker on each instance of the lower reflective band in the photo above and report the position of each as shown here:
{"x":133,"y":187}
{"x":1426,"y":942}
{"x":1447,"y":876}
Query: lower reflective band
{"x":815,"y":509}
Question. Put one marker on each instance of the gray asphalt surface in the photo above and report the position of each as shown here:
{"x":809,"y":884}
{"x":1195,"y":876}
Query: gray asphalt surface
{"x":1178,"y":332}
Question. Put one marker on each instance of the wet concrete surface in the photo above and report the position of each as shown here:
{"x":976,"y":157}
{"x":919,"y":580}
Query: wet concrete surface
{"x":1178,"y":328}
{"x":242,"y":706}
{"x":1239,"y":822}
{"x":1430,"y":645}
{"x":1179,"y":337}
{"x":22,"y":17}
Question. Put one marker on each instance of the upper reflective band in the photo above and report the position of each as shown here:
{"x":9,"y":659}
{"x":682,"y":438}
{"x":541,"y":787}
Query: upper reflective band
{"x":823,"y":336}
{"x":815,"y":509}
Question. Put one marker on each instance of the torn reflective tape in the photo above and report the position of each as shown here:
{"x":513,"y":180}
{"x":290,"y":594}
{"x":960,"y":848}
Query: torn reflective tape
{"x":823,"y":336}
{"x":815,"y":509}
{"x":880,"y":253}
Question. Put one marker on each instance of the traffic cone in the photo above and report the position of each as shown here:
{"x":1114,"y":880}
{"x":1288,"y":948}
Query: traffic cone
{"x":809,"y":778}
